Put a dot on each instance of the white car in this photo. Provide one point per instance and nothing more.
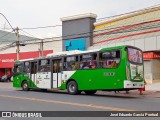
(12, 79)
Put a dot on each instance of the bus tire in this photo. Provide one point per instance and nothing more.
(44, 90)
(72, 88)
(25, 86)
(90, 92)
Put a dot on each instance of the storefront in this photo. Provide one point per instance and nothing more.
(152, 65)
(7, 60)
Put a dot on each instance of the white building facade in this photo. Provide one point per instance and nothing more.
(139, 28)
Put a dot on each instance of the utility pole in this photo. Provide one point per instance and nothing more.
(17, 43)
(41, 48)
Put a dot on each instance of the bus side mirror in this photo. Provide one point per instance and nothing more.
(13, 72)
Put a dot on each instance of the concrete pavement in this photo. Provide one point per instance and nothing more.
(153, 87)
(152, 90)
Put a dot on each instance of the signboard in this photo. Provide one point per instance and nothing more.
(151, 55)
(7, 60)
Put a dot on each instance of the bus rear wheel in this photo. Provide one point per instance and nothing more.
(72, 88)
(44, 90)
(25, 86)
(90, 92)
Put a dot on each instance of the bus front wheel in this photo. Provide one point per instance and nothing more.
(25, 86)
(90, 92)
(72, 88)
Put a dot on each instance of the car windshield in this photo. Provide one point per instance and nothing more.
(135, 55)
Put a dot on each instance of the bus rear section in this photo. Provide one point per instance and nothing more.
(134, 69)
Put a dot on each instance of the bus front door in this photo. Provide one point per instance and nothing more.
(33, 75)
(57, 67)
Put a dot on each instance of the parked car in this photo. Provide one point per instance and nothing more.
(12, 79)
(5, 78)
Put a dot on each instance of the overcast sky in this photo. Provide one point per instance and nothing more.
(39, 13)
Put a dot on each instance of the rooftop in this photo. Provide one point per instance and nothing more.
(80, 16)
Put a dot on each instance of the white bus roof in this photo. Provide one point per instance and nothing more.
(92, 50)
(73, 52)
(27, 59)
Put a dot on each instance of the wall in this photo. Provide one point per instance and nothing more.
(148, 71)
(155, 70)
(146, 44)
(79, 28)
(139, 30)
(151, 70)
(75, 44)
(2, 72)
(56, 46)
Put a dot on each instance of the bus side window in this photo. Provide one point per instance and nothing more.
(75, 64)
(110, 59)
(44, 66)
(60, 66)
(88, 61)
(64, 64)
(102, 63)
(93, 62)
(81, 63)
(106, 59)
(26, 67)
(71, 63)
(54, 67)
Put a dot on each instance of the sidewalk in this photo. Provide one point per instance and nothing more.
(153, 87)
(152, 90)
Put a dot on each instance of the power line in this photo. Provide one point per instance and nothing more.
(42, 27)
(7, 46)
(87, 34)
(6, 34)
(136, 11)
(28, 33)
(108, 32)
(8, 22)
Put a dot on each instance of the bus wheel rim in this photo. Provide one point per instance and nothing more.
(71, 88)
(25, 85)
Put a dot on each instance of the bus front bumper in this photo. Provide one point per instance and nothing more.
(130, 84)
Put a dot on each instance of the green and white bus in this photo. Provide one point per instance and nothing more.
(107, 69)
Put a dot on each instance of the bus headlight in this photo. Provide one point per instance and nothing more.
(127, 73)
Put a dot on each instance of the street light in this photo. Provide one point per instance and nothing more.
(8, 22)
(17, 34)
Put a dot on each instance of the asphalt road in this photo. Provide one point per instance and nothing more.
(12, 99)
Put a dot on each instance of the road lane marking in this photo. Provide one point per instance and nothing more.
(67, 103)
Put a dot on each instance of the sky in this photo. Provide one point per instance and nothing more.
(41, 13)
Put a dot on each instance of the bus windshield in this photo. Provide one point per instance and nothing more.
(18, 68)
(135, 55)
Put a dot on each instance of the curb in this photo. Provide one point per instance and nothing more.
(147, 93)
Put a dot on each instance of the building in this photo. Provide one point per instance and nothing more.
(31, 48)
(77, 31)
(139, 28)
(80, 32)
